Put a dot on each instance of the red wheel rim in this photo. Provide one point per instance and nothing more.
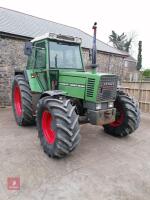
(49, 133)
(119, 117)
(17, 100)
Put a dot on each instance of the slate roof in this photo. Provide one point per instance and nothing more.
(22, 24)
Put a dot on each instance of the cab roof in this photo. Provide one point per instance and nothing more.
(58, 37)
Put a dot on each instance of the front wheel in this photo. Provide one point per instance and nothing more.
(58, 126)
(127, 116)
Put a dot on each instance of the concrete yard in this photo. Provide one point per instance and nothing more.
(101, 168)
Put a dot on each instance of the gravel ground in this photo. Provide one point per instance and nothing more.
(101, 168)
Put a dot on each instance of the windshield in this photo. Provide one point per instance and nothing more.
(65, 55)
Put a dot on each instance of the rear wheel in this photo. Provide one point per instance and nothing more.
(22, 101)
(127, 116)
(58, 126)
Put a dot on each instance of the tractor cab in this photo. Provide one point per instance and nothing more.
(50, 54)
(53, 51)
(61, 52)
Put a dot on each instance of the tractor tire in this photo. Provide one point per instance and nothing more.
(58, 126)
(127, 116)
(22, 101)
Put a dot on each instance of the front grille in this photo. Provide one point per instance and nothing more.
(107, 88)
(90, 87)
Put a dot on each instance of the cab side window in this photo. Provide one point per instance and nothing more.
(40, 55)
(31, 59)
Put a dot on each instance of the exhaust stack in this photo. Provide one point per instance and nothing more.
(94, 50)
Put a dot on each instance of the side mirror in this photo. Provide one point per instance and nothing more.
(28, 48)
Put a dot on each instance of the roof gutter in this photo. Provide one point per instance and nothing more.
(14, 36)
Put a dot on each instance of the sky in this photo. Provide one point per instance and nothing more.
(129, 16)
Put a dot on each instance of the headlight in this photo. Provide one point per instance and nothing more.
(110, 104)
(98, 106)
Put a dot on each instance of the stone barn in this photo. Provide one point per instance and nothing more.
(16, 28)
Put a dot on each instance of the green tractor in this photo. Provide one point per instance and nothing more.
(55, 92)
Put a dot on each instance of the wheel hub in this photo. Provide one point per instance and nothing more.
(119, 117)
(49, 133)
(17, 100)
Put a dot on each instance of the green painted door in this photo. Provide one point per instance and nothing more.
(37, 70)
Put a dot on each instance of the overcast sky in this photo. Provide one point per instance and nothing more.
(122, 16)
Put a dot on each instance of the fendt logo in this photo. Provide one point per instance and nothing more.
(108, 84)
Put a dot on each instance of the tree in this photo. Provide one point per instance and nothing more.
(139, 59)
(146, 73)
(121, 42)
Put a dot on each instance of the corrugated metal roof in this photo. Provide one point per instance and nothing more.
(21, 24)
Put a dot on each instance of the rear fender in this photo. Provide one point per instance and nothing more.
(21, 72)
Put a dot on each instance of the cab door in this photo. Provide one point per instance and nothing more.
(37, 69)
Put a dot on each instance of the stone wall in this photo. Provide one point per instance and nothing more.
(107, 63)
(11, 57)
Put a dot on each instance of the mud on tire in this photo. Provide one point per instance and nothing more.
(58, 126)
(127, 117)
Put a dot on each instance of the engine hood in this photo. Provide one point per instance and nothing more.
(83, 85)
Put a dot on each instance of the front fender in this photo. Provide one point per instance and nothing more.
(53, 93)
